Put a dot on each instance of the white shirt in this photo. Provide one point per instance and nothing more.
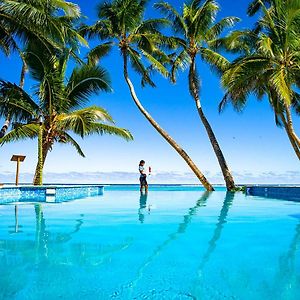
(142, 169)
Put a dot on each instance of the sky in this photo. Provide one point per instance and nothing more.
(256, 150)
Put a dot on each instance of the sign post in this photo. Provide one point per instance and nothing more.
(18, 159)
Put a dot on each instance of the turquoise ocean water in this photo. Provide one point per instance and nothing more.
(176, 243)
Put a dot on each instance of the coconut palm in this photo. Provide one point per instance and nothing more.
(48, 21)
(58, 106)
(121, 23)
(271, 65)
(198, 32)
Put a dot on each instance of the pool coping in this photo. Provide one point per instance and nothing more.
(47, 193)
(284, 192)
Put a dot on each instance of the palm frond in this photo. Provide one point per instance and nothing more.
(280, 83)
(151, 25)
(70, 9)
(7, 40)
(238, 41)
(99, 52)
(69, 140)
(215, 31)
(181, 62)
(171, 14)
(51, 24)
(82, 120)
(20, 132)
(216, 61)
(156, 64)
(91, 120)
(85, 81)
(138, 66)
(102, 29)
(16, 103)
(256, 5)
(98, 128)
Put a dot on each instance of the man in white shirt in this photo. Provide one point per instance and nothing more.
(143, 177)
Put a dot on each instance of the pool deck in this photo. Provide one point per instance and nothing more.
(47, 193)
(275, 191)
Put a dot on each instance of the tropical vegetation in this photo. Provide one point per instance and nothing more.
(57, 106)
(50, 22)
(269, 64)
(48, 35)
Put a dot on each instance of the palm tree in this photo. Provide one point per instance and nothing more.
(270, 66)
(198, 33)
(121, 23)
(48, 21)
(59, 107)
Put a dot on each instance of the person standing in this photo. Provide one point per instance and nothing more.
(143, 177)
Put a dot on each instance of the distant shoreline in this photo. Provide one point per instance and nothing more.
(163, 184)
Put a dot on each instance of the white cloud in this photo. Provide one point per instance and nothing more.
(289, 177)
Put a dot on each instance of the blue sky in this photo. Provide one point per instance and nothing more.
(256, 150)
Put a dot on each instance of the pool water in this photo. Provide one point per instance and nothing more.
(175, 243)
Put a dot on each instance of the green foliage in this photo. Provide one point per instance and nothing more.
(270, 63)
(48, 21)
(197, 33)
(121, 24)
(59, 100)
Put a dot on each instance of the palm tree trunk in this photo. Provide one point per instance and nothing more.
(38, 175)
(291, 126)
(5, 126)
(43, 149)
(162, 132)
(7, 121)
(290, 136)
(23, 73)
(213, 140)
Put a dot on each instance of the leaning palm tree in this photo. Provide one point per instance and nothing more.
(58, 106)
(269, 63)
(121, 23)
(198, 32)
(48, 21)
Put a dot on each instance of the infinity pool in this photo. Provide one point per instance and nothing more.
(177, 243)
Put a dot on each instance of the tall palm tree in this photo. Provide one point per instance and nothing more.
(48, 21)
(198, 33)
(270, 66)
(121, 23)
(58, 106)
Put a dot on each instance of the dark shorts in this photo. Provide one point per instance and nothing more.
(143, 180)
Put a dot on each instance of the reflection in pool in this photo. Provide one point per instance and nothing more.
(168, 245)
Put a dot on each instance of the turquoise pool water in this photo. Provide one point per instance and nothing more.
(177, 243)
